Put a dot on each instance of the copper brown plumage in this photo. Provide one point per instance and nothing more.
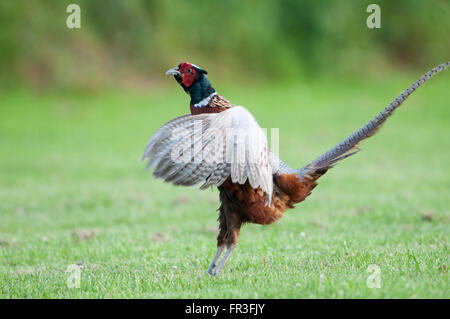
(255, 185)
(217, 104)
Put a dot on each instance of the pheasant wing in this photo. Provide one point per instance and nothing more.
(211, 147)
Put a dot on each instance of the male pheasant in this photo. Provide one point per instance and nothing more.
(220, 144)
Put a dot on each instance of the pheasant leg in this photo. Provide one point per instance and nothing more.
(213, 265)
(223, 261)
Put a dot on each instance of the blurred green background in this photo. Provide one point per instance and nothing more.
(77, 107)
(131, 43)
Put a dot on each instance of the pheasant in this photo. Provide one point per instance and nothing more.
(220, 144)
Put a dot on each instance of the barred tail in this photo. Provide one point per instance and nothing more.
(349, 146)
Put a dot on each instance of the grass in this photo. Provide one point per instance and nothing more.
(73, 190)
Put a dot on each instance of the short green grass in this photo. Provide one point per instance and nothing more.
(73, 190)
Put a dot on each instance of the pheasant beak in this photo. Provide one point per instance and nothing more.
(173, 71)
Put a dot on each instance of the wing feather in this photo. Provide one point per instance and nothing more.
(211, 147)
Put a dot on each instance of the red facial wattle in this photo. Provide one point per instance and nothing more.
(187, 74)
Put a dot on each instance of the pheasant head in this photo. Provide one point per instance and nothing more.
(193, 80)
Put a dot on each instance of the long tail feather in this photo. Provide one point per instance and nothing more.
(349, 146)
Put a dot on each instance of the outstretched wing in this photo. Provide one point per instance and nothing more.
(211, 147)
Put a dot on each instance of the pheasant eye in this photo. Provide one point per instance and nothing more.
(189, 70)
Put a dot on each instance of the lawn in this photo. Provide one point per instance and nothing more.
(73, 191)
